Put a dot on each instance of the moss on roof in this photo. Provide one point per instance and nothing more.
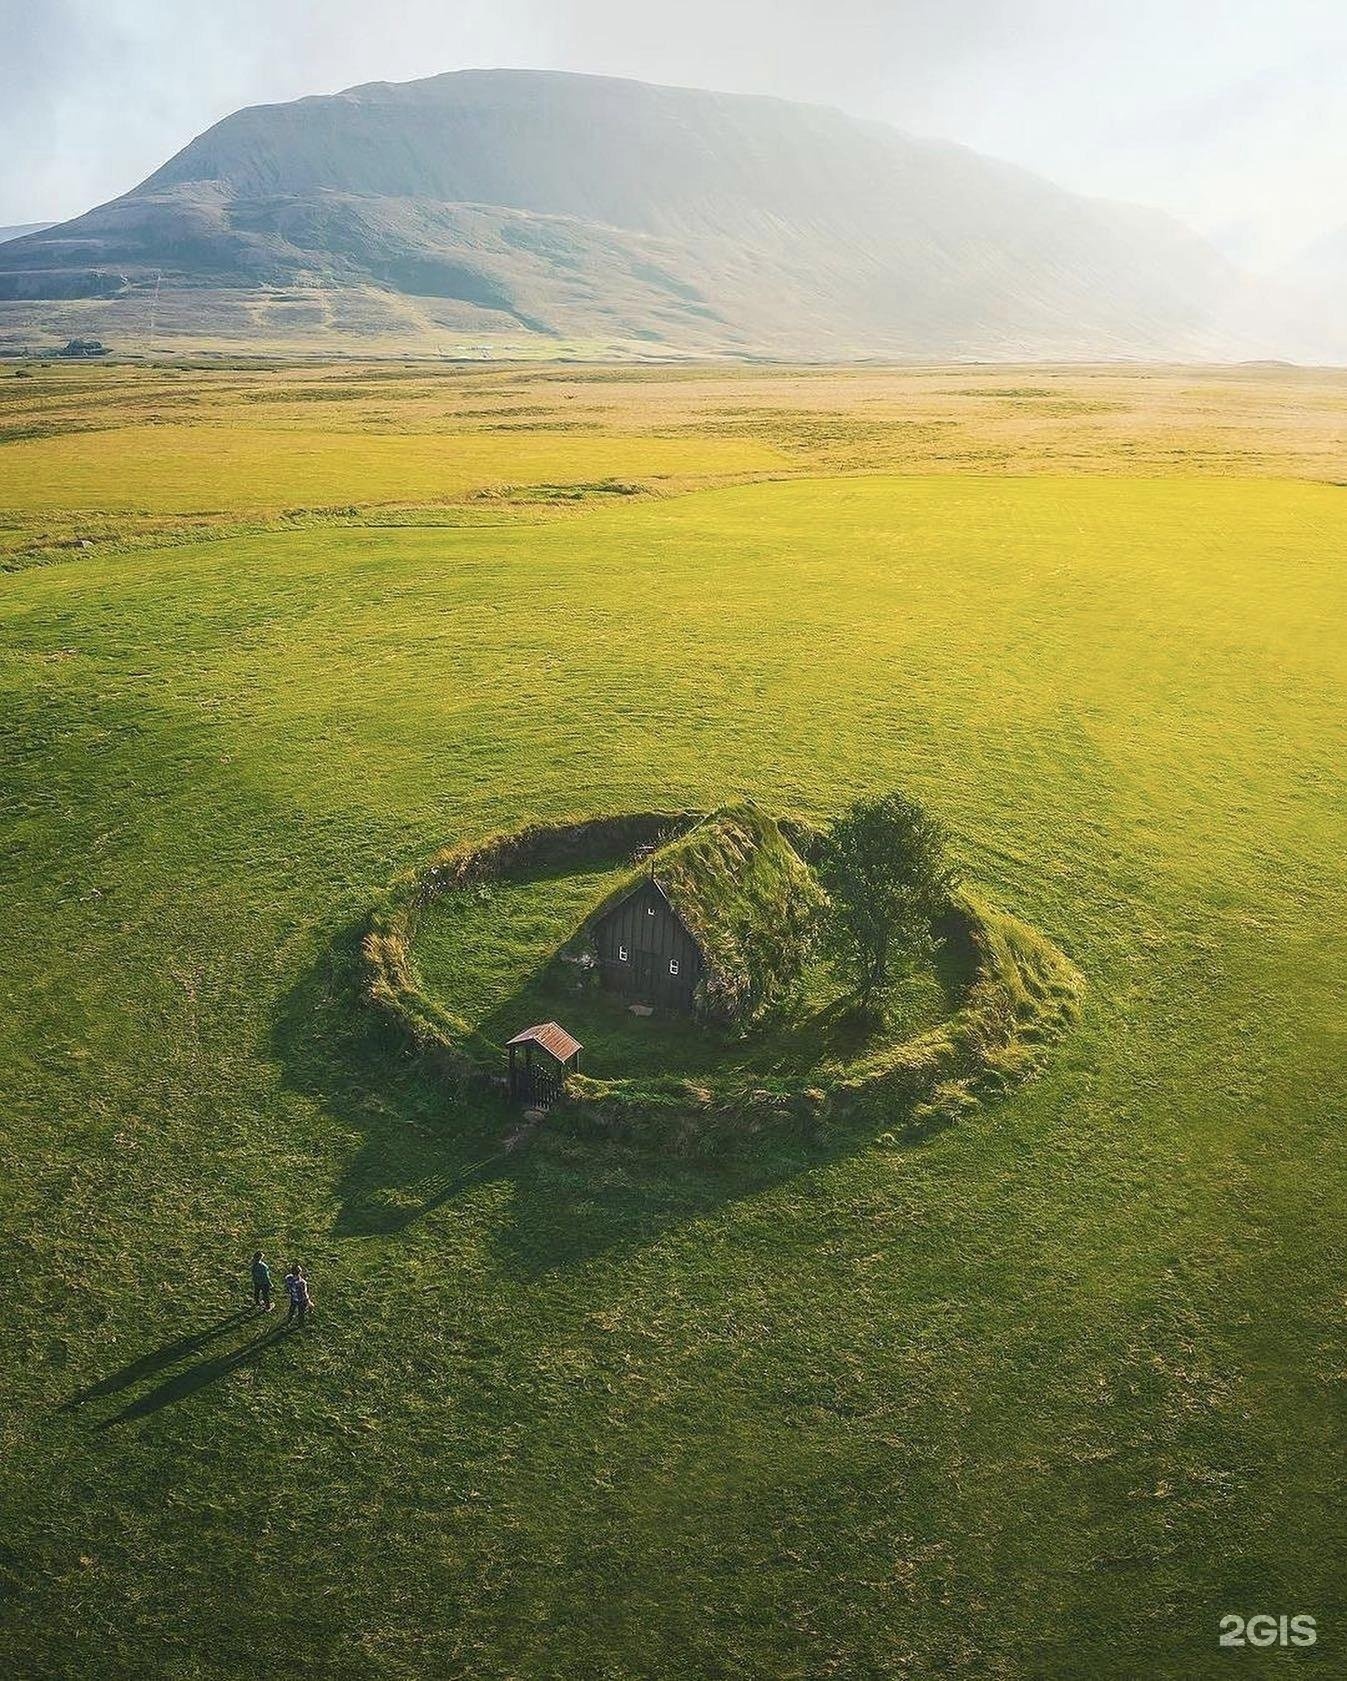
(748, 899)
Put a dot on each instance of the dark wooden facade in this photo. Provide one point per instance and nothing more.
(645, 952)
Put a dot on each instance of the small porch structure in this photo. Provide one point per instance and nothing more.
(540, 1059)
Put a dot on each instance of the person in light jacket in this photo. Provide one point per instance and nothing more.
(297, 1288)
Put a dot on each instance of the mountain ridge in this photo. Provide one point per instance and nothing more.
(566, 206)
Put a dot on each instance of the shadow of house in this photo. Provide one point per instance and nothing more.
(426, 1143)
(424, 1138)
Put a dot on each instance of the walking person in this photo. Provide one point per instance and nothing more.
(297, 1288)
(261, 1282)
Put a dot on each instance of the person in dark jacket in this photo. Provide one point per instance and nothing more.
(261, 1282)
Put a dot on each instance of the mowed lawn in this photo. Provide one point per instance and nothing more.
(1043, 1396)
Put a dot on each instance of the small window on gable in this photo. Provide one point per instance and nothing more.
(673, 965)
(622, 954)
(650, 910)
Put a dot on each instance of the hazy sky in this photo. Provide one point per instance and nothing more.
(1230, 113)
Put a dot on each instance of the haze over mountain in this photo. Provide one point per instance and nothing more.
(23, 228)
(1324, 263)
(591, 209)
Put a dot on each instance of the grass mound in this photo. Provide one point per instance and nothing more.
(1024, 993)
(1018, 995)
(747, 898)
(1012, 992)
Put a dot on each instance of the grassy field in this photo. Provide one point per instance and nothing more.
(183, 470)
(1044, 1395)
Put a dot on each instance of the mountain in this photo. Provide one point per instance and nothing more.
(586, 208)
(22, 228)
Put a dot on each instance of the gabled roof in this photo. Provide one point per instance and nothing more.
(652, 881)
(553, 1038)
(745, 896)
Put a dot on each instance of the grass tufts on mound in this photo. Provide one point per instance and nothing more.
(1021, 996)
(1018, 995)
(389, 978)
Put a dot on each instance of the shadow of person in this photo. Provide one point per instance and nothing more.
(183, 1384)
(146, 1365)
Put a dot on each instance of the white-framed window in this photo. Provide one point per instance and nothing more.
(622, 954)
(650, 910)
(673, 965)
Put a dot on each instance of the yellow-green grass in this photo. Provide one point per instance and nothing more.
(1249, 420)
(215, 469)
(1044, 1395)
(204, 447)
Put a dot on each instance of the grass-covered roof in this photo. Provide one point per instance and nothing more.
(748, 899)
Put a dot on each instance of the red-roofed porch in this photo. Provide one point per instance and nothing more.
(539, 1080)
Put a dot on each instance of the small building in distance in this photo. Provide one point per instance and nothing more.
(540, 1059)
(718, 923)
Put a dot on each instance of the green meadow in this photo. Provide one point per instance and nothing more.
(1043, 1394)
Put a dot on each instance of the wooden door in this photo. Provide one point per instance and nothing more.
(542, 1085)
(645, 975)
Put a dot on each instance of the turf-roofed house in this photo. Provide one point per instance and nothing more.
(717, 925)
